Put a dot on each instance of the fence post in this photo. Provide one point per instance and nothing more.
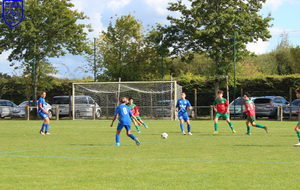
(281, 108)
(211, 112)
(27, 113)
(57, 112)
(195, 103)
(278, 113)
(94, 112)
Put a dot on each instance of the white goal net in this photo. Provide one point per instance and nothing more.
(155, 99)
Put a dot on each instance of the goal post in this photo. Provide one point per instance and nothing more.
(155, 99)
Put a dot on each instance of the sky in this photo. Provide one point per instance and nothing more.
(151, 12)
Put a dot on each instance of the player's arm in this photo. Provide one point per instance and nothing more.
(189, 105)
(113, 120)
(215, 108)
(227, 106)
(247, 107)
(41, 108)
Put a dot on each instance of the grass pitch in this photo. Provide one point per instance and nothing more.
(82, 155)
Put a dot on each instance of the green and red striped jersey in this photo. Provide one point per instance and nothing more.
(221, 105)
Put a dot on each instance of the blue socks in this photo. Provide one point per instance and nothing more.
(131, 136)
(47, 128)
(182, 127)
(43, 126)
(117, 138)
(189, 128)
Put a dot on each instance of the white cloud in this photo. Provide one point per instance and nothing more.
(79, 5)
(275, 4)
(160, 6)
(117, 4)
(260, 47)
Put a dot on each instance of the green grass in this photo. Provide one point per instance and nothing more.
(82, 155)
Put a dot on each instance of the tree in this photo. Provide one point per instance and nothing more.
(208, 26)
(49, 29)
(127, 51)
(296, 57)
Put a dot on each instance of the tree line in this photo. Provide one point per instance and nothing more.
(204, 41)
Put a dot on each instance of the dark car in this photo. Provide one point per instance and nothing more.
(266, 106)
(295, 108)
(6, 108)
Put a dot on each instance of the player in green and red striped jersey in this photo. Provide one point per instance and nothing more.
(250, 109)
(221, 106)
(297, 129)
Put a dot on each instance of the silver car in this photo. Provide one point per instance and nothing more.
(20, 112)
(6, 108)
(235, 107)
(83, 106)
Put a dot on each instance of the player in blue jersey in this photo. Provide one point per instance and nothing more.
(124, 121)
(181, 107)
(43, 114)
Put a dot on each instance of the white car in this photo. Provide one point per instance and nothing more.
(6, 108)
(19, 111)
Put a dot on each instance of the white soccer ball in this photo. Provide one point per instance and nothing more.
(164, 135)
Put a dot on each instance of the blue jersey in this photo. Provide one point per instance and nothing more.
(43, 102)
(182, 106)
(124, 113)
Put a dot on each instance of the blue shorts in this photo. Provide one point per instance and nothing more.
(184, 117)
(120, 127)
(43, 115)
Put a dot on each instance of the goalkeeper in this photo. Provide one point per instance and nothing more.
(135, 111)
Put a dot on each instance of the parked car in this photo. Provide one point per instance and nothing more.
(266, 106)
(237, 104)
(164, 108)
(6, 108)
(20, 111)
(83, 106)
(295, 108)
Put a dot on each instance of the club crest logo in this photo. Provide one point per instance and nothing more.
(12, 12)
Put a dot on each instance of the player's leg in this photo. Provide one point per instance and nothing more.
(127, 127)
(216, 123)
(259, 126)
(189, 126)
(44, 117)
(248, 127)
(297, 129)
(119, 129)
(47, 121)
(180, 117)
(229, 122)
(142, 122)
(136, 125)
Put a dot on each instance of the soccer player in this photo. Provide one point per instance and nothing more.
(250, 109)
(181, 107)
(135, 111)
(124, 121)
(221, 106)
(43, 114)
(297, 129)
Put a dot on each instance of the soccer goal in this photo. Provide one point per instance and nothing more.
(155, 99)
